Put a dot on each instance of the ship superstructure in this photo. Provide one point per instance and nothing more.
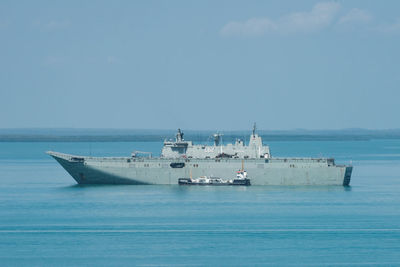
(179, 157)
(182, 148)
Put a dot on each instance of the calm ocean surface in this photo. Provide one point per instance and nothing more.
(46, 219)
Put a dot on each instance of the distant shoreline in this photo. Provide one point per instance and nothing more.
(196, 138)
(131, 135)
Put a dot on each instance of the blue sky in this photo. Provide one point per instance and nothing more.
(200, 64)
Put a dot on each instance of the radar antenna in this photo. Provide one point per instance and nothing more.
(254, 129)
(217, 138)
(179, 136)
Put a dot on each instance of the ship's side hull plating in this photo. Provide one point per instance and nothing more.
(93, 170)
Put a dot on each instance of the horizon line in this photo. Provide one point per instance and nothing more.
(188, 129)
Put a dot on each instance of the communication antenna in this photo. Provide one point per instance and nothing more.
(217, 138)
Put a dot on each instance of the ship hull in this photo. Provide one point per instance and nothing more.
(275, 171)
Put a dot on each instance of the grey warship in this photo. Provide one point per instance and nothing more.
(180, 157)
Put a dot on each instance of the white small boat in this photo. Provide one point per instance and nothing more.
(241, 179)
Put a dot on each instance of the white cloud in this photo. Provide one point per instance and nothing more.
(53, 60)
(254, 26)
(355, 16)
(4, 24)
(321, 16)
(392, 28)
(112, 59)
(56, 25)
(53, 25)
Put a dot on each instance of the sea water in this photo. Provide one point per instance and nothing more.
(47, 219)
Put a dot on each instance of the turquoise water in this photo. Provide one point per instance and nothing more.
(46, 219)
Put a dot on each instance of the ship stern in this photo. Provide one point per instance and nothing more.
(347, 175)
